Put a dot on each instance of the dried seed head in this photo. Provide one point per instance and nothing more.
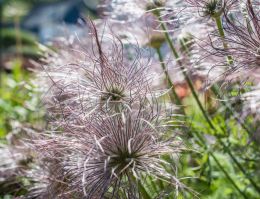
(110, 154)
(113, 93)
(107, 133)
(211, 8)
(125, 147)
(103, 79)
(242, 36)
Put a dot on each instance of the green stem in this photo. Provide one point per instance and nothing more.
(222, 35)
(201, 107)
(215, 88)
(240, 166)
(198, 101)
(187, 78)
(220, 28)
(173, 96)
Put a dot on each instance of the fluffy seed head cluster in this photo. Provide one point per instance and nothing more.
(96, 80)
(110, 154)
(124, 147)
(106, 132)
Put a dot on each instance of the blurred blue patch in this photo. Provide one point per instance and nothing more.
(49, 20)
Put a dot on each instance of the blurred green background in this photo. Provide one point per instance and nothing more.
(26, 23)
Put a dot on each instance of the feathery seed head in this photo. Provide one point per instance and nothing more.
(243, 39)
(113, 153)
(103, 79)
(107, 135)
(125, 145)
(211, 8)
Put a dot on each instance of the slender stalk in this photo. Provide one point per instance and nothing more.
(204, 113)
(190, 84)
(222, 168)
(186, 76)
(220, 29)
(222, 35)
(197, 99)
(174, 97)
(242, 169)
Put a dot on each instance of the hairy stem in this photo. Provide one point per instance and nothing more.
(220, 29)
(174, 97)
(186, 76)
(215, 88)
(222, 35)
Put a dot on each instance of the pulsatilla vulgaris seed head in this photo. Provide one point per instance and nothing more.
(100, 79)
(213, 8)
(113, 93)
(121, 149)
